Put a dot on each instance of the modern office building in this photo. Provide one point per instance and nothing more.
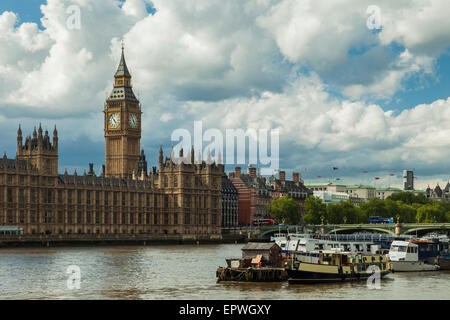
(408, 180)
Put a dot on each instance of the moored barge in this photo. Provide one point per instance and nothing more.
(334, 266)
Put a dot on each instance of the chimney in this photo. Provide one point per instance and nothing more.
(238, 172)
(91, 168)
(295, 176)
(252, 171)
(231, 175)
(282, 176)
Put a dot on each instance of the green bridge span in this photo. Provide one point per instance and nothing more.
(392, 229)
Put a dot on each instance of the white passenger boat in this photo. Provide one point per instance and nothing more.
(404, 257)
(296, 242)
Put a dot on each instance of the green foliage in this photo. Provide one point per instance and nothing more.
(435, 212)
(374, 207)
(315, 209)
(423, 211)
(285, 210)
(409, 198)
(344, 211)
(394, 209)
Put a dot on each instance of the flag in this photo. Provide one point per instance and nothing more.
(377, 178)
(392, 174)
(319, 176)
(335, 168)
(307, 169)
(365, 171)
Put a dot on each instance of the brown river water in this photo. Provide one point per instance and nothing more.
(178, 272)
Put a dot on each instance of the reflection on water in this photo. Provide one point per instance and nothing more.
(177, 272)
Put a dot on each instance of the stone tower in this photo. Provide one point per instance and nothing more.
(39, 151)
(122, 123)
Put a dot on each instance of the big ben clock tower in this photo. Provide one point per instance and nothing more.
(122, 126)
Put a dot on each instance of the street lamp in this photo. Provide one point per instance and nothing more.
(322, 229)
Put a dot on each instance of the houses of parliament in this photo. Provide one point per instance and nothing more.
(178, 197)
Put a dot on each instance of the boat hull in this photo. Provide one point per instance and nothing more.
(412, 266)
(302, 277)
(444, 263)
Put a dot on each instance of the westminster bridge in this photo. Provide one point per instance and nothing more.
(394, 229)
(229, 235)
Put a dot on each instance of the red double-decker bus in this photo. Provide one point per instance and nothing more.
(260, 222)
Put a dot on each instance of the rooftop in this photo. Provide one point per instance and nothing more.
(322, 184)
(259, 246)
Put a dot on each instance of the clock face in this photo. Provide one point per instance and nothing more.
(114, 120)
(133, 120)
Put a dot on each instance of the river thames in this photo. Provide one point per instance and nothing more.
(178, 272)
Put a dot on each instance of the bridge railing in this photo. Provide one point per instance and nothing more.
(351, 237)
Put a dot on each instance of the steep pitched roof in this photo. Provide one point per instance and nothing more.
(438, 191)
(290, 186)
(447, 187)
(122, 70)
(254, 182)
(259, 246)
(227, 185)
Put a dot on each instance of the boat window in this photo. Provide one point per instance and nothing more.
(398, 249)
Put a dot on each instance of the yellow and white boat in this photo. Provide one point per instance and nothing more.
(334, 266)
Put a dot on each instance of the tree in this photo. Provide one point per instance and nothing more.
(285, 209)
(433, 212)
(315, 209)
(409, 198)
(406, 213)
(374, 207)
(344, 209)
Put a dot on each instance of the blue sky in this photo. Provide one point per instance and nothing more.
(417, 89)
(340, 98)
(29, 11)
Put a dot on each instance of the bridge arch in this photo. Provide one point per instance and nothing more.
(267, 232)
(362, 228)
(426, 229)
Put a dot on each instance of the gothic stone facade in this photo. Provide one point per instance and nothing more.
(439, 194)
(180, 197)
(230, 203)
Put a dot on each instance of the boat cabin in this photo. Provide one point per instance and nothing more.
(265, 254)
(403, 251)
(336, 262)
(312, 242)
